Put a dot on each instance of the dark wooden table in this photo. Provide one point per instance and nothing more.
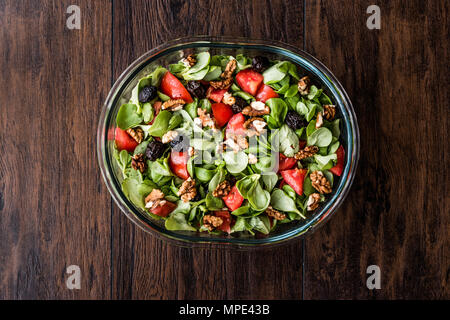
(55, 210)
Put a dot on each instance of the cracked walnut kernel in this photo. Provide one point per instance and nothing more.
(187, 190)
(137, 134)
(313, 201)
(277, 215)
(223, 189)
(319, 182)
(173, 104)
(329, 111)
(138, 162)
(212, 222)
(307, 152)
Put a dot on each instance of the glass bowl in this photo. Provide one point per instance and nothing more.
(171, 52)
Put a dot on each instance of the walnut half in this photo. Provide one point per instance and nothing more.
(187, 190)
(212, 222)
(277, 215)
(319, 182)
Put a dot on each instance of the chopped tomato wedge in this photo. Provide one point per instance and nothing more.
(285, 163)
(236, 125)
(222, 113)
(233, 199)
(215, 95)
(172, 87)
(339, 167)
(157, 109)
(295, 178)
(178, 164)
(265, 93)
(164, 210)
(226, 225)
(249, 80)
(124, 141)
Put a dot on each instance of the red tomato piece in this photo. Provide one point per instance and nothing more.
(222, 113)
(156, 108)
(215, 95)
(282, 183)
(285, 163)
(249, 80)
(265, 93)
(178, 164)
(124, 141)
(339, 167)
(295, 178)
(171, 86)
(233, 200)
(226, 225)
(165, 209)
(236, 125)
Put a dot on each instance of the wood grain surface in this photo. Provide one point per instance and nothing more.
(55, 210)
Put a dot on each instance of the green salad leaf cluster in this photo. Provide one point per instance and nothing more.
(255, 188)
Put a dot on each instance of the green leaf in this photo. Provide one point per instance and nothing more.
(258, 198)
(235, 162)
(288, 141)
(241, 211)
(130, 188)
(292, 91)
(140, 149)
(308, 189)
(199, 75)
(177, 218)
(204, 175)
(269, 180)
(162, 96)
(213, 203)
(205, 105)
(301, 108)
(278, 110)
(281, 201)
(321, 137)
(276, 72)
(174, 121)
(161, 124)
(128, 117)
(244, 95)
(217, 179)
(261, 224)
(325, 160)
(191, 108)
(147, 112)
(214, 73)
(203, 59)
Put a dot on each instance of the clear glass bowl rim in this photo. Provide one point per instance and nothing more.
(303, 59)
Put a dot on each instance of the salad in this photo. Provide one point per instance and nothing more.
(225, 144)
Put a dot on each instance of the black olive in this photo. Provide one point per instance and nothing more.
(294, 120)
(155, 150)
(259, 63)
(196, 89)
(147, 93)
(180, 143)
(239, 105)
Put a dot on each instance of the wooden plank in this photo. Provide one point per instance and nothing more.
(54, 207)
(396, 215)
(145, 267)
